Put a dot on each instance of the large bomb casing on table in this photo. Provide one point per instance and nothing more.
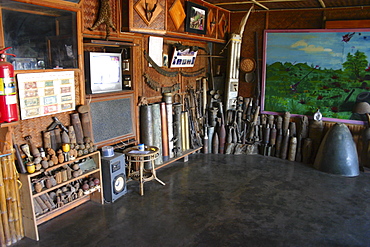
(337, 153)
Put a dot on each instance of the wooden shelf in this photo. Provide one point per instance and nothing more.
(110, 95)
(62, 164)
(30, 220)
(185, 154)
(11, 124)
(55, 212)
(95, 42)
(65, 183)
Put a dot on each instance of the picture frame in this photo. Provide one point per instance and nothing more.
(46, 93)
(309, 69)
(196, 18)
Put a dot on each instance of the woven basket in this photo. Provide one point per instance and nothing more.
(248, 65)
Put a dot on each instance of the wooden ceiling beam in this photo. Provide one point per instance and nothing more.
(261, 5)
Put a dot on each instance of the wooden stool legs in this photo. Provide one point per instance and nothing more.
(135, 160)
(153, 176)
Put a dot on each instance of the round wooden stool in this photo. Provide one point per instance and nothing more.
(136, 157)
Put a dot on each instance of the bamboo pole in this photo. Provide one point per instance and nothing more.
(15, 186)
(11, 227)
(2, 236)
(18, 200)
(9, 193)
(3, 209)
(14, 192)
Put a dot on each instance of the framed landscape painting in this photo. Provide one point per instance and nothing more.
(310, 69)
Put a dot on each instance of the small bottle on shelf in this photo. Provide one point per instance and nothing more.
(126, 65)
(127, 82)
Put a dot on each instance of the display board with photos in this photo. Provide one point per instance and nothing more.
(46, 93)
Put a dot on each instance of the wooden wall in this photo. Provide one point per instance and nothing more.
(185, 82)
(163, 23)
(87, 14)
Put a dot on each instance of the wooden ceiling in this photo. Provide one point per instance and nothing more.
(277, 5)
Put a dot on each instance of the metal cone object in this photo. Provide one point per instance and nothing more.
(337, 153)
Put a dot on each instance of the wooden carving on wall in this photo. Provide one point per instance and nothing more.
(148, 10)
(223, 26)
(177, 13)
(211, 22)
(105, 16)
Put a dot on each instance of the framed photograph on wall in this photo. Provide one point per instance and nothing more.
(309, 69)
(196, 18)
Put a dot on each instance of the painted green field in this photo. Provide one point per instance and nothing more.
(302, 88)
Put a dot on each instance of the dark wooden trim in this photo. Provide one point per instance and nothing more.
(347, 24)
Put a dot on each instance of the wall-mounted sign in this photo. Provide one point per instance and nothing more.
(185, 58)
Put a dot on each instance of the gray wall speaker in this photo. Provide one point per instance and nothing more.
(114, 177)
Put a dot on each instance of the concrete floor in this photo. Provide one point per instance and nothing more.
(224, 200)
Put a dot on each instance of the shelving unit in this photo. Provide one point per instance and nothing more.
(30, 220)
(183, 156)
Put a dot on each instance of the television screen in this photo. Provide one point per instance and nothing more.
(104, 72)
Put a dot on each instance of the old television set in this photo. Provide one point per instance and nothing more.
(103, 72)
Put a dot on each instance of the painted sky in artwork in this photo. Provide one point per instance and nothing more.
(327, 49)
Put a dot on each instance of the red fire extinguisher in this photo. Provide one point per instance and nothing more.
(8, 91)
